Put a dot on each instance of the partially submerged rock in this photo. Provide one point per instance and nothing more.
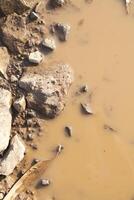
(49, 43)
(12, 157)
(46, 92)
(4, 60)
(57, 3)
(62, 30)
(18, 6)
(86, 108)
(35, 57)
(5, 118)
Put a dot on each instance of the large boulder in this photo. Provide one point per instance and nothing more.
(5, 118)
(46, 92)
(18, 6)
(13, 156)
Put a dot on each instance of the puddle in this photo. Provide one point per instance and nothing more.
(96, 163)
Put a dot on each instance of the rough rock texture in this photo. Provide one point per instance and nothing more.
(62, 30)
(20, 104)
(4, 60)
(46, 92)
(12, 34)
(18, 6)
(5, 118)
(12, 157)
(18, 35)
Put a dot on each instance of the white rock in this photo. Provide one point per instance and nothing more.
(5, 118)
(35, 57)
(4, 60)
(20, 104)
(12, 157)
(49, 43)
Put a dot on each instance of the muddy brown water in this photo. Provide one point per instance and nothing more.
(96, 163)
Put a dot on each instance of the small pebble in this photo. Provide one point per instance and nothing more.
(59, 148)
(30, 136)
(45, 182)
(35, 161)
(35, 57)
(2, 195)
(49, 43)
(57, 3)
(84, 88)
(31, 113)
(68, 131)
(13, 79)
(34, 146)
(33, 16)
(86, 108)
(20, 104)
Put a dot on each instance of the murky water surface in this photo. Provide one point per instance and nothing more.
(96, 164)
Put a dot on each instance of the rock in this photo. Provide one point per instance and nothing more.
(44, 182)
(12, 157)
(33, 16)
(5, 118)
(62, 30)
(59, 148)
(86, 108)
(18, 6)
(16, 42)
(84, 89)
(13, 79)
(12, 30)
(35, 57)
(20, 104)
(2, 194)
(49, 43)
(68, 131)
(4, 60)
(57, 3)
(46, 92)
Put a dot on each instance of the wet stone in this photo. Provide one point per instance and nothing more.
(68, 131)
(44, 182)
(59, 148)
(33, 16)
(86, 108)
(84, 88)
(49, 43)
(35, 57)
(61, 30)
(57, 3)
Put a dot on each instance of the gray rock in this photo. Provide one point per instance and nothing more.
(33, 16)
(47, 92)
(69, 131)
(12, 157)
(20, 104)
(4, 60)
(5, 118)
(49, 43)
(18, 6)
(86, 108)
(45, 182)
(13, 79)
(62, 30)
(84, 88)
(57, 3)
(35, 57)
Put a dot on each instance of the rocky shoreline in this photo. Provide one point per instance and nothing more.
(24, 95)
